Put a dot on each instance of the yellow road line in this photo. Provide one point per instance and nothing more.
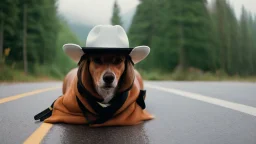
(11, 98)
(39, 134)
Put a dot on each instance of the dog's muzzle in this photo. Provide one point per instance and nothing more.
(108, 78)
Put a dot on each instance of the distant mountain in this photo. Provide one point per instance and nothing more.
(81, 30)
(127, 18)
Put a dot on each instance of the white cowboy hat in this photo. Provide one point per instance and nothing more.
(106, 38)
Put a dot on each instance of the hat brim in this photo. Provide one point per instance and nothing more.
(75, 52)
(139, 53)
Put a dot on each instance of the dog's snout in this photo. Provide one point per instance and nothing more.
(108, 77)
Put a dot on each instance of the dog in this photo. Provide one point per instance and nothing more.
(105, 89)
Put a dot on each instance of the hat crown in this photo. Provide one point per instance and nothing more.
(107, 36)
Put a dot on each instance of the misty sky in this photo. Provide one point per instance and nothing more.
(99, 11)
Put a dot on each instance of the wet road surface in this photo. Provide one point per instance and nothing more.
(179, 119)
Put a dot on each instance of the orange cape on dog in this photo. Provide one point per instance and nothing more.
(66, 109)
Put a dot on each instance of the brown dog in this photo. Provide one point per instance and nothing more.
(103, 76)
(105, 89)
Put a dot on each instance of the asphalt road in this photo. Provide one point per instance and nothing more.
(186, 112)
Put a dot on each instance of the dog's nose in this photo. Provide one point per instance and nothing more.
(108, 78)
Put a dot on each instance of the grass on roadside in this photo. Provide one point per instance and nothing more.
(7, 74)
(193, 75)
(46, 73)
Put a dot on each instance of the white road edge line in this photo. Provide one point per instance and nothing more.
(230, 105)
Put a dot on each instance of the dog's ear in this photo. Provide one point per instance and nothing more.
(128, 76)
(84, 73)
(85, 76)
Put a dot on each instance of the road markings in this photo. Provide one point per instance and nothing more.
(11, 98)
(231, 105)
(39, 134)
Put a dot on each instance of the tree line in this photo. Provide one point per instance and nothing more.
(182, 35)
(193, 34)
(34, 33)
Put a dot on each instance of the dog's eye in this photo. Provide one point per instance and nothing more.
(117, 60)
(97, 60)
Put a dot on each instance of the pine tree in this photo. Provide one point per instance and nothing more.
(253, 28)
(233, 51)
(8, 19)
(176, 31)
(220, 19)
(142, 30)
(116, 19)
(246, 44)
(194, 39)
(227, 47)
(164, 48)
(44, 39)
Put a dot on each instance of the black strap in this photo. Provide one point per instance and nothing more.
(110, 112)
(85, 111)
(140, 100)
(44, 114)
(104, 113)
